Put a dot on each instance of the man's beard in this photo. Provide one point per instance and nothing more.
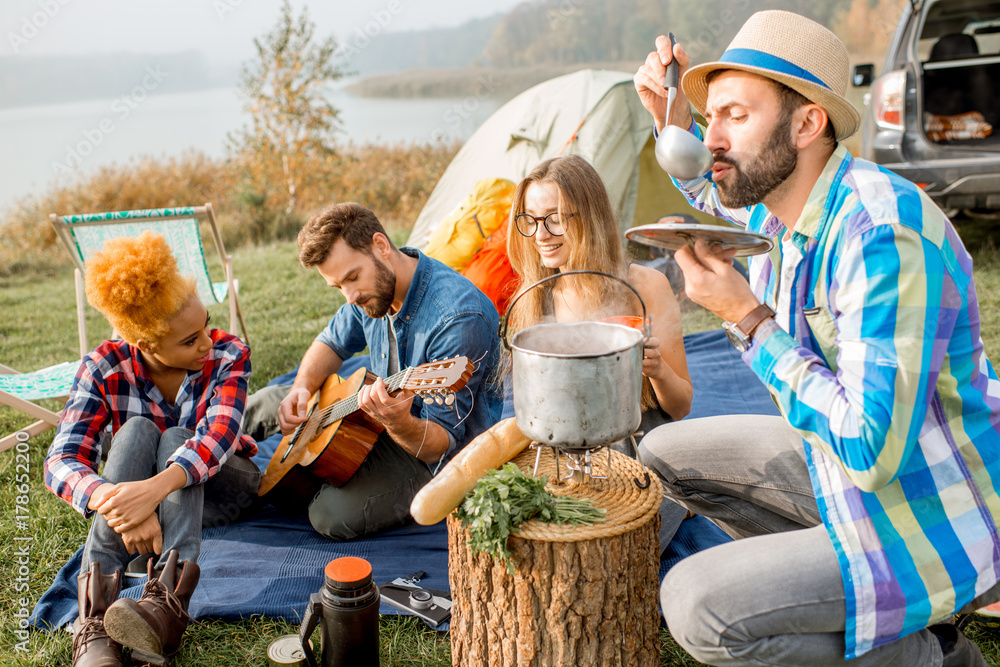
(763, 172)
(378, 304)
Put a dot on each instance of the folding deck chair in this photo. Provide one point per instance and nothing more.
(83, 235)
(19, 390)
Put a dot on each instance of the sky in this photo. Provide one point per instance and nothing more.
(222, 29)
(48, 140)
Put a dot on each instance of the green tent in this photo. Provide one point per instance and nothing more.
(592, 113)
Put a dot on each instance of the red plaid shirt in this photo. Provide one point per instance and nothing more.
(113, 385)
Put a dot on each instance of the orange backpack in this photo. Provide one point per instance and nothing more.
(491, 272)
(457, 238)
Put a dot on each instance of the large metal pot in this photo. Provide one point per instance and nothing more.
(579, 385)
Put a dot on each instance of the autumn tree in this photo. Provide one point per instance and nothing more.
(564, 32)
(866, 26)
(284, 87)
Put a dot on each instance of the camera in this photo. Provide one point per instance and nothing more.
(432, 606)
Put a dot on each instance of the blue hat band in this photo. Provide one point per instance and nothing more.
(755, 58)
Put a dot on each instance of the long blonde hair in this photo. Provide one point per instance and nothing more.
(591, 232)
(594, 244)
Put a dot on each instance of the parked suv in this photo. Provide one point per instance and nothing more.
(933, 116)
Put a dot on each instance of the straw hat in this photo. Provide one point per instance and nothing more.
(792, 50)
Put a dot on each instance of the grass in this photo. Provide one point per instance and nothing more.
(285, 306)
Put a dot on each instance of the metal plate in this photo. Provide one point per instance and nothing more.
(674, 235)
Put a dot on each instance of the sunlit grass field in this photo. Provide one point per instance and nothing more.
(285, 306)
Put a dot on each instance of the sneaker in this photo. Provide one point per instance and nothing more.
(992, 610)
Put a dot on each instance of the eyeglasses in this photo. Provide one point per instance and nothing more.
(527, 224)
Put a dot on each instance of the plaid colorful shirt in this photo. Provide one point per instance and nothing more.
(113, 385)
(876, 358)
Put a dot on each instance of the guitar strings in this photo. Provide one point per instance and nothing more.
(472, 404)
(329, 410)
(472, 397)
(399, 376)
(423, 439)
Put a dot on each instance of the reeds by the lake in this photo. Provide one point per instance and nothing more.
(394, 181)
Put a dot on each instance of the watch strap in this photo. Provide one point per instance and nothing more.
(754, 319)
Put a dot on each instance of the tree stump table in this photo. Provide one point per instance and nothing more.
(580, 595)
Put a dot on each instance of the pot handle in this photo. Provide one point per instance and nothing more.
(635, 451)
(506, 317)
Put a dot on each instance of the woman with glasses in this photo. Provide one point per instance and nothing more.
(565, 223)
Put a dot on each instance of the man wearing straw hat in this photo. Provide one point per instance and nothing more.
(868, 510)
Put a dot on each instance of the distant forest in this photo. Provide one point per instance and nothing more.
(569, 32)
(537, 33)
(561, 32)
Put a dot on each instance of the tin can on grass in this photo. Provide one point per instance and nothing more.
(286, 651)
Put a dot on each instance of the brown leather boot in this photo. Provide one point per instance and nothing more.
(91, 645)
(153, 626)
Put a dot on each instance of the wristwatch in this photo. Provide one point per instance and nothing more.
(741, 333)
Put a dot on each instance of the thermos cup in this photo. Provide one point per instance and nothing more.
(346, 609)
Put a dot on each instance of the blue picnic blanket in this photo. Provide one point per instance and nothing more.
(270, 564)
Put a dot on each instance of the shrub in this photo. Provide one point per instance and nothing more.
(394, 181)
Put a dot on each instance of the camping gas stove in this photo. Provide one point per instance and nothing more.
(578, 464)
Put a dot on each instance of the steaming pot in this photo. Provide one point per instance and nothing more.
(577, 385)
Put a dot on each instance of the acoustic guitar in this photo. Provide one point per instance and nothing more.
(336, 437)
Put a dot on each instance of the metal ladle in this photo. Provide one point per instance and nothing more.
(679, 152)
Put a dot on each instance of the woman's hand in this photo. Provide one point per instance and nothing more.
(652, 358)
(145, 538)
(132, 503)
(100, 494)
(664, 362)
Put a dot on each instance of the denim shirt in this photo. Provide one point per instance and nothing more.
(443, 315)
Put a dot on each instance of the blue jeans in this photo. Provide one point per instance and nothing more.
(139, 451)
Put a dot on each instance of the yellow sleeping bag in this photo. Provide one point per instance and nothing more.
(462, 233)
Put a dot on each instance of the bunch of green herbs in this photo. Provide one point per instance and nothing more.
(505, 498)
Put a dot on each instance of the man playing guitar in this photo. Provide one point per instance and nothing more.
(408, 309)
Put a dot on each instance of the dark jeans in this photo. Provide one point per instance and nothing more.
(139, 451)
(376, 498)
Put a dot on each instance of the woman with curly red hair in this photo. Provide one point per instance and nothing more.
(171, 392)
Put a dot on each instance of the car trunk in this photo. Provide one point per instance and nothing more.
(959, 49)
(961, 103)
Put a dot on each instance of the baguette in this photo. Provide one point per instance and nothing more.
(490, 449)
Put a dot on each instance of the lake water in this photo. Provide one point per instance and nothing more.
(47, 145)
